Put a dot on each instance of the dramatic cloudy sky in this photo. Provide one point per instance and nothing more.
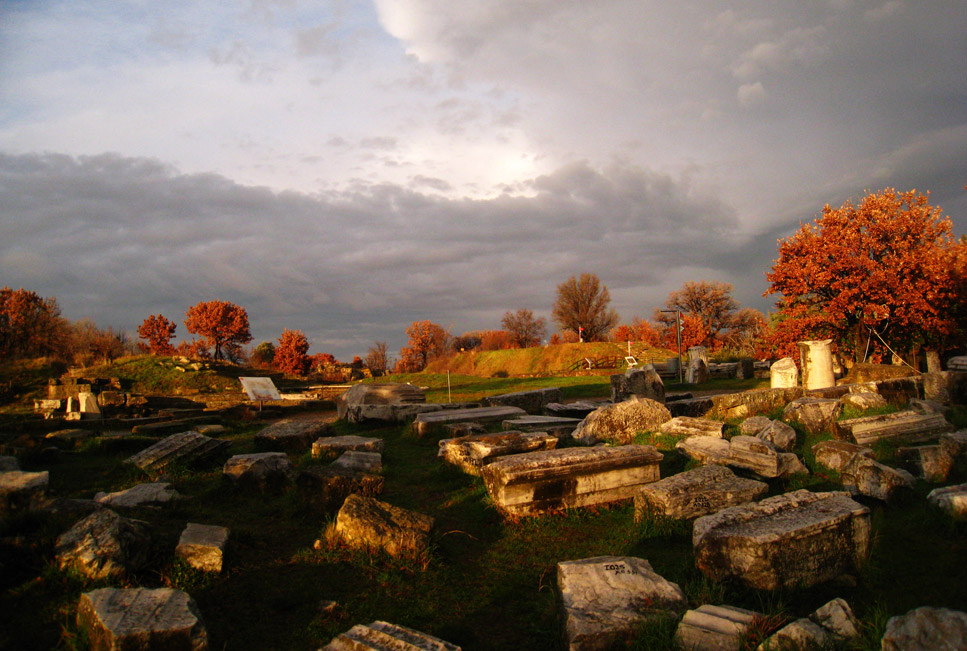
(345, 167)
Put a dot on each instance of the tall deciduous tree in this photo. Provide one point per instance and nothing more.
(582, 307)
(709, 301)
(638, 330)
(29, 325)
(524, 329)
(224, 325)
(427, 341)
(263, 355)
(158, 331)
(377, 359)
(886, 267)
(291, 353)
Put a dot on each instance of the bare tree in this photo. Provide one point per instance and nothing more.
(524, 329)
(377, 360)
(582, 307)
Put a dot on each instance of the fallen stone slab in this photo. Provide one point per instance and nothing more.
(798, 539)
(905, 426)
(532, 402)
(948, 387)
(556, 426)
(22, 491)
(331, 446)
(620, 423)
(164, 428)
(753, 425)
(695, 493)
(926, 629)
(951, 499)
(69, 438)
(705, 449)
(387, 402)
(815, 414)
(754, 454)
(641, 382)
(383, 636)
(930, 462)
(714, 628)
(426, 424)
(830, 626)
(370, 524)
(104, 545)
(471, 453)
(326, 488)
(578, 409)
(263, 471)
(605, 598)
(136, 619)
(294, 436)
(688, 426)
(751, 403)
(692, 407)
(954, 444)
(536, 482)
(836, 455)
(186, 448)
(357, 461)
(779, 434)
(865, 476)
(203, 546)
(864, 400)
(154, 493)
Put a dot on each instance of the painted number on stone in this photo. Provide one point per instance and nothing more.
(618, 568)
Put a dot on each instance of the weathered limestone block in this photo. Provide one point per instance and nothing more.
(579, 409)
(112, 399)
(368, 523)
(753, 425)
(864, 476)
(183, 448)
(291, 435)
(750, 403)
(169, 427)
(791, 540)
(836, 455)
(906, 426)
(556, 426)
(705, 449)
(926, 629)
(22, 491)
(605, 598)
(952, 499)
(69, 438)
(213, 429)
(816, 358)
(620, 423)
(931, 462)
(331, 446)
(784, 374)
(949, 387)
(426, 424)
(714, 628)
(8, 463)
(141, 619)
(326, 487)
(382, 636)
(782, 436)
(695, 493)
(105, 545)
(264, 471)
(386, 402)
(641, 382)
(370, 463)
(815, 414)
(687, 426)
(693, 407)
(87, 404)
(531, 483)
(697, 371)
(203, 546)
(754, 454)
(830, 626)
(864, 400)
(153, 493)
(471, 453)
(532, 402)
(746, 369)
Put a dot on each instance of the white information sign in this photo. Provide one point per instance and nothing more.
(260, 388)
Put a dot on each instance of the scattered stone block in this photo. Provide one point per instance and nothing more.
(605, 598)
(264, 471)
(532, 402)
(705, 449)
(695, 493)
(141, 619)
(784, 374)
(532, 483)
(154, 493)
(367, 523)
(750, 403)
(185, 448)
(754, 454)
(387, 402)
(798, 539)
(578, 409)
(326, 487)
(620, 423)
(213, 429)
(779, 434)
(829, 627)
(203, 546)
(104, 545)
(864, 400)
(382, 636)
(926, 629)
(688, 426)
(713, 628)
(331, 446)
(815, 414)
(753, 425)
(22, 491)
(426, 424)
(948, 387)
(471, 453)
(836, 455)
(931, 462)
(69, 438)
(954, 444)
(370, 463)
(555, 426)
(697, 371)
(816, 357)
(952, 499)
(906, 426)
(693, 407)
(168, 427)
(641, 382)
(294, 436)
(8, 463)
(865, 476)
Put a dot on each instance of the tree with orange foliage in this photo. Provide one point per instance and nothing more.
(709, 301)
(748, 333)
(496, 340)
(694, 333)
(884, 268)
(158, 331)
(639, 330)
(427, 341)
(290, 355)
(524, 329)
(29, 325)
(223, 325)
(582, 307)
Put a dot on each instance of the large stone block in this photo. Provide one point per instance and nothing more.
(386, 402)
(695, 493)
(291, 435)
(951, 499)
(427, 424)
(471, 453)
(865, 476)
(903, 426)
(203, 546)
(641, 382)
(798, 539)
(527, 484)
(579, 409)
(22, 491)
(926, 629)
(154, 493)
(331, 446)
(751, 403)
(620, 423)
(714, 628)
(264, 471)
(383, 636)
(837, 455)
(705, 449)
(357, 461)
(556, 426)
(815, 414)
(688, 426)
(141, 619)
(829, 627)
(533, 402)
(930, 462)
(605, 598)
(816, 357)
(370, 524)
(104, 545)
(187, 448)
(784, 374)
(946, 386)
(326, 488)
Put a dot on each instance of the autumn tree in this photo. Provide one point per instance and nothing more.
(638, 330)
(30, 326)
(158, 331)
(263, 355)
(525, 331)
(582, 307)
(223, 325)
(694, 333)
(291, 353)
(885, 268)
(709, 301)
(87, 343)
(427, 340)
(377, 360)
(496, 340)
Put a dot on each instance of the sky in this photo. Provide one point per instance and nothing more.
(345, 167)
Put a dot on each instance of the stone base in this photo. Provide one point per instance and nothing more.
(139, 619)
(370, 524)
(695, 493)
(203, 546)
(471, 453)
(713, 628)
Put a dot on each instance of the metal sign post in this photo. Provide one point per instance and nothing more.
(678, 336)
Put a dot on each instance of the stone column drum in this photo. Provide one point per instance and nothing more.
(816, 356)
